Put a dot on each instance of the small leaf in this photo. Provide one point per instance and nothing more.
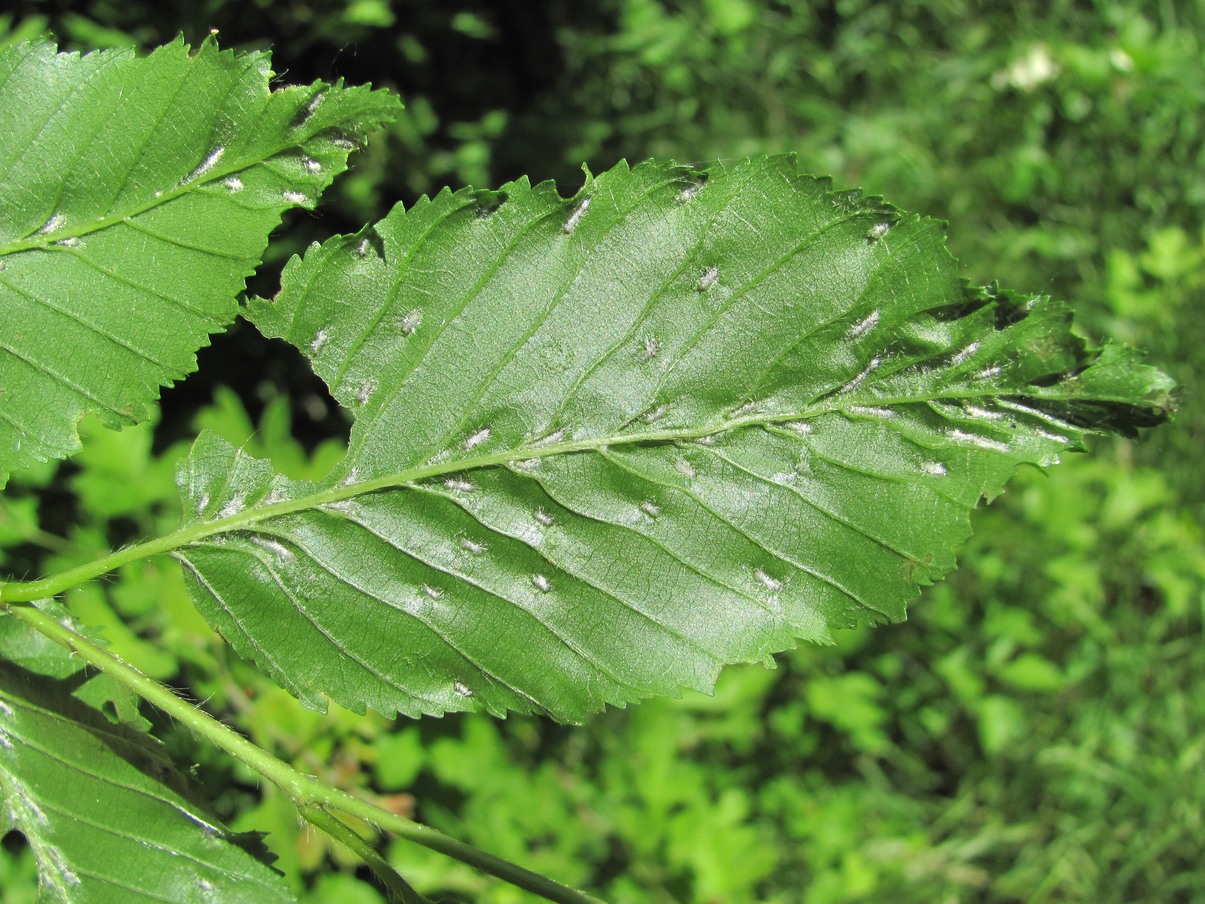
(605, 445)
(104, 813)
(1031, 672)
(136, 195)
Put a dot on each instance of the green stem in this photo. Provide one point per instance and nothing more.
(305, 790)
(343, 833)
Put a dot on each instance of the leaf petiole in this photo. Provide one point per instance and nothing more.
(321, 818)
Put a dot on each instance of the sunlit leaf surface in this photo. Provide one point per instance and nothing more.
(605, 445)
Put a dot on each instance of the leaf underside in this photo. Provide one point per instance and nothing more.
(136, 195)
(605, 445)
(100, 807)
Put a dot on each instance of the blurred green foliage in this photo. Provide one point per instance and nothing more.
(1035, 732)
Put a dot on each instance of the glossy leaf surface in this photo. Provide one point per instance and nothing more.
(603, 446)
(136, 195)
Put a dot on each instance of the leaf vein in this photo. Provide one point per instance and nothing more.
(583, 655)
(59, 378)
(769, 481)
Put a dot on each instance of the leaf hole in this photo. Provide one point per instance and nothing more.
(489, 203)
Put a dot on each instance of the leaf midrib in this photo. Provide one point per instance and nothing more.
(23, 592)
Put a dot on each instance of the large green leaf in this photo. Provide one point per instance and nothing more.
(136, 195)
(104, 813)
(604, 446)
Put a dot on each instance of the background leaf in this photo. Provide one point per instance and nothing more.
(605, 446)
(136, 195)
(104, 813)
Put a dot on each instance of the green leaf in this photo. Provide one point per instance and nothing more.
(604, 446)
(1031, 672)
(136, 195)
(38, 655)
(105, 814)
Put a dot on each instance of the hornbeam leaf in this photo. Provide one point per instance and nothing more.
(136, 195)
(104, 813)
(605, 445)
